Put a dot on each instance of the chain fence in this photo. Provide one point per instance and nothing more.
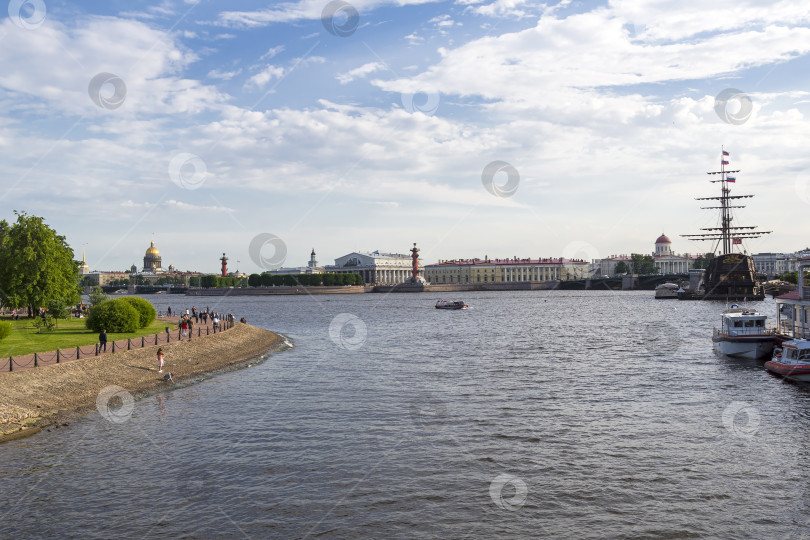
(30, 361)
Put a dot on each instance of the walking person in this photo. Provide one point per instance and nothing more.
(160, 359)
(102, 341)
(169, 311)
(184, 326)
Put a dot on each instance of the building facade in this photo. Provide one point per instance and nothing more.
(776, 264)
(505, 270)
(607, 266)
(667, 261)
(375, 267)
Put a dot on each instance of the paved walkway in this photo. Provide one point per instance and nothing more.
(30, 361)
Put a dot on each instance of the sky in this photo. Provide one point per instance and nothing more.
(471, 127)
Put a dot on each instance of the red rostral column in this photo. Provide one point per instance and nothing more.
(224, 260)
(415, 262)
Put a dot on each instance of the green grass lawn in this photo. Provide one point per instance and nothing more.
(68, 333)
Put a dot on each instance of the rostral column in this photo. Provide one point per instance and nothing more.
(414, 264)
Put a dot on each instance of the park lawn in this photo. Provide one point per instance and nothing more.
(68, 333)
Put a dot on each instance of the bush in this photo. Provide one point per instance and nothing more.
(47, 324)
(5, 329)
(146, 311)
(114, 316)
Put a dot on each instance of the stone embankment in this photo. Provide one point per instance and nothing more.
(32, 399)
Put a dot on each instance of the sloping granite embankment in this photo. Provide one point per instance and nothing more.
(35, 398)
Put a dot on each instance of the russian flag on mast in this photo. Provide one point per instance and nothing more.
(725, 153)
(731, 179)
(724, 162)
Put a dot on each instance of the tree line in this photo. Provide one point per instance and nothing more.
(308, 280)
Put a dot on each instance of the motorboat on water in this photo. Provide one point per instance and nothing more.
(451, 304)
(792, 360)
(667, 290)
(743, 333)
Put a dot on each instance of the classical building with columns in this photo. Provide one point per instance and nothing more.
(666, 261)
(375, 267)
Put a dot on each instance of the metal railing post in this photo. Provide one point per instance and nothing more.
(57, 356)
(78, 352)
(129, 344)
(113, 348)
(11, 363)
(36, 360)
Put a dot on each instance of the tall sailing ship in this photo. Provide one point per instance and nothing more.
(730, 276)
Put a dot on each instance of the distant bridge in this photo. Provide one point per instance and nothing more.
(644, 283)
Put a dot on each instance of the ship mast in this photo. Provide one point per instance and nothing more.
(725, 233)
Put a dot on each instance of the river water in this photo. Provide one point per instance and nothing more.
(532, 414)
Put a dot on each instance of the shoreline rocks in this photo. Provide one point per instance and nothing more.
(36, 398)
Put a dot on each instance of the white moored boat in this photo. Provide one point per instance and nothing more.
(667, 290)
(743, 333)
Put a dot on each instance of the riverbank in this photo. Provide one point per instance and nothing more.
(32, 399)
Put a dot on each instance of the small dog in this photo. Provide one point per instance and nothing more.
(168, 378)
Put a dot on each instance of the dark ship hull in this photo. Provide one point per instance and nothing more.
(730, 277)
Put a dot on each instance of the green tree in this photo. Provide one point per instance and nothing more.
(194, 281)
(621, 268)
(36, 266)
(642, 264)
(702, 261)
(97, 296)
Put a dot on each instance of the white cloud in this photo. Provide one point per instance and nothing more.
(301, 10)
(266, 75)
(56, 63)
(223, 75)
(271, 52)
(360, 72)
(188, 207)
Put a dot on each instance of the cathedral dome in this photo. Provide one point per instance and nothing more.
(663, 239)
(152, 250)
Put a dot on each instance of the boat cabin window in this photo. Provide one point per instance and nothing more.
(738, 324)
(804, 354)
(790, 354)
(760, 323)
(749, 324)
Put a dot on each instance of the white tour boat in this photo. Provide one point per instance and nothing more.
(792, 361)
(743, 333)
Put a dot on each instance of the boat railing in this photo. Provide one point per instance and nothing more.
(747, 331)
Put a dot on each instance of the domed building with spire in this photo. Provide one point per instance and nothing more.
(152, 263)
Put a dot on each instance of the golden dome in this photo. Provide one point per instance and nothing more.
(152, 250)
